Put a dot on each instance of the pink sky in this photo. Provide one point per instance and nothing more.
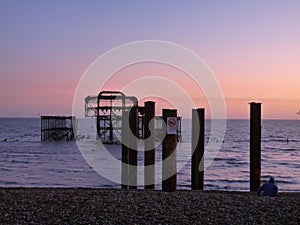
(253, 49)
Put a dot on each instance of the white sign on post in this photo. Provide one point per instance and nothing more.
(171, 125)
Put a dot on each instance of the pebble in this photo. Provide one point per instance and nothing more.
(113, 206)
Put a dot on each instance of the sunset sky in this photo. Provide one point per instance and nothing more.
(252, 47)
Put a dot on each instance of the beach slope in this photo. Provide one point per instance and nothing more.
(113, 206)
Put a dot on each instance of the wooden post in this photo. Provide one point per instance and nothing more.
(255, 145)
(149, 154)
(198, 125)
(132, 151)
(98, 117)
(111, 133)
(125, 150)
(169, 170)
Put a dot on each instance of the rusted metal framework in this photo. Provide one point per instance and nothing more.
(55, 128)
(90, 105)
(108, 106)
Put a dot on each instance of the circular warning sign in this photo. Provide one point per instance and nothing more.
(172, 122)
(171, 125)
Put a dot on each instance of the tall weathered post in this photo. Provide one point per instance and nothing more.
(149, 154)
(125, 151)
(198, 125)
(133, 151)
(169, 169)
(255, 145)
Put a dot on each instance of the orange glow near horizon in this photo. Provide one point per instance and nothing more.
(237, 95)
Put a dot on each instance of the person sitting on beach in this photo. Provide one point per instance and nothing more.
(268, 189)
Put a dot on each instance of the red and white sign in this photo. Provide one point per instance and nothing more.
(172, 125)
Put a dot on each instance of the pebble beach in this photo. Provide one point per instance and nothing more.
(115, 206)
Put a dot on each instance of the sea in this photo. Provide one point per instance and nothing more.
(25, 161)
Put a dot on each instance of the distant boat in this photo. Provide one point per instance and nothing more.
(298, 112)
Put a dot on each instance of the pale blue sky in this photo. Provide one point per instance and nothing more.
(45, 46)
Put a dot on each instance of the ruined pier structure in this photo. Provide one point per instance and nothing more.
(55, 128)
(108, 108)
(117, 114)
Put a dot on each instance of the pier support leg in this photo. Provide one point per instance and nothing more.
(169, 170)
(133, 150)
(149, 154)
(198, 125)
(125, 151)
(255, 145)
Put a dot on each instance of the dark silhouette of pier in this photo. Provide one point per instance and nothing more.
(118, 114)
(55, 128)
